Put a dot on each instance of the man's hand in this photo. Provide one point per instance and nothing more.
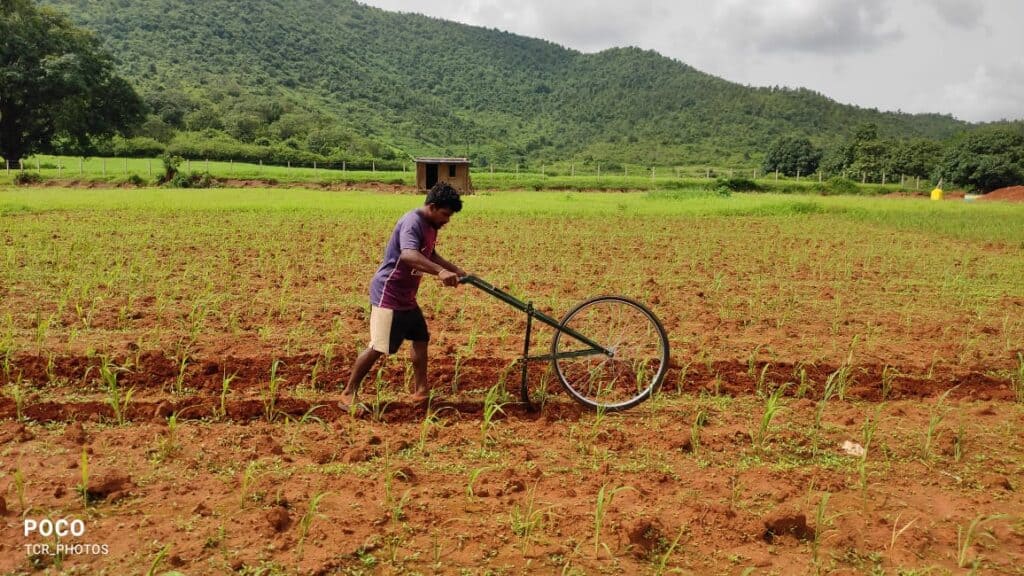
(448, 278)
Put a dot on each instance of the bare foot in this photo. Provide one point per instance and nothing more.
(420, 398)
(347, 402)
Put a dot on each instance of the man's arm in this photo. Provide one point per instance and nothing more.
(417, 261)
(447, 265)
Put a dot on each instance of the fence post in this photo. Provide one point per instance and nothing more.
(373, 166)
(21, 163)
(776, 174)
(37, 165)
(797, 174)
(707, 173)
(883, 177)
(652, 173)
(344, 166)
(7, 165)
(58, 168)
(314, 169)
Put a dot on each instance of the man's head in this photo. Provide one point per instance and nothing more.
(442, 201)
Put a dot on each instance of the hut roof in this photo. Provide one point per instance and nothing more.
(442, 160)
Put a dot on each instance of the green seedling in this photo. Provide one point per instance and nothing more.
(889, 374)
(604, 502)
(491, 408)
(312, 511)
(18, 394)
(270, 394)
(19, 490)
(698, 423)
(771, 407)
(529, 520)
(249, 478)
(937, 413)
(158, 560)
(1017, 379)
(966, 538)
(473, 475)
(168, 444)
(117, 398)
(225, 388)
(867, 435)
(661, 565)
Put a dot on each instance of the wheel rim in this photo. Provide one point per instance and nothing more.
(638, 363)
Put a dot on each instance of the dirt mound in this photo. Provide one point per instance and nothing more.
(1008, 194)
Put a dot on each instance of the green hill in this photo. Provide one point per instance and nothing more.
(334, 79)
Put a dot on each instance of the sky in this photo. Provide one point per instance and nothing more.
(959, 57)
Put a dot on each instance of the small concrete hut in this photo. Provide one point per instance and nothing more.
(454, 171)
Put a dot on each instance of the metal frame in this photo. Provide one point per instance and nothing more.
(532, 313)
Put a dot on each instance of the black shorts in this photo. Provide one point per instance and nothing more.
(389, 327)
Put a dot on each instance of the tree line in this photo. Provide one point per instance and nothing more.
(309, 81)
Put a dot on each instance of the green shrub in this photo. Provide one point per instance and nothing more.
(737, 185)
(840, 185)
(25, 178)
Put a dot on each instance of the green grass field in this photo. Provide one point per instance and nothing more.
(562, 176)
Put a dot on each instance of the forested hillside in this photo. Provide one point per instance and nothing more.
(337, 80)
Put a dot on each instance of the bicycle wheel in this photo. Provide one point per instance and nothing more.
(637, 358)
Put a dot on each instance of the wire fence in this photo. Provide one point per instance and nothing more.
(404, 172)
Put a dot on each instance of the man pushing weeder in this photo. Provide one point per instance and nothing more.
(394, 314)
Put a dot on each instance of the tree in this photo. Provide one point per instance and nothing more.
(792, 155)
(917, 158)
(57, 86)
(986, 159)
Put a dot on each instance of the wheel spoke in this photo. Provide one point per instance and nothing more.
(637, 365)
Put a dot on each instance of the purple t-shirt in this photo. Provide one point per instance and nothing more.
(395, 284)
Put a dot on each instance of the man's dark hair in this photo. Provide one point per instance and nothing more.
(444, 196)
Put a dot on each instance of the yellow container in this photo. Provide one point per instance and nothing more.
(937, 194)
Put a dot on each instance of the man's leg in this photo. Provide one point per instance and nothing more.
(362, 366)
(419, 367)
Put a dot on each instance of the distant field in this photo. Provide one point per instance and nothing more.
(118, 171)
(796, 323)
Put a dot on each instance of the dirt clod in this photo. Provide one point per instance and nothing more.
(279, 519)
(358, 454)
(646, 538)
(75, 433)
(786, 521)
(111, 486)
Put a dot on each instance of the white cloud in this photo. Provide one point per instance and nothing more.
(946, 56)
(826, 27)
(959, 13)
(991, 93)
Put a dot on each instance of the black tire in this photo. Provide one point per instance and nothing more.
(624, 379)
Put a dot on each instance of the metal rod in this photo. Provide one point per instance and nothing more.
(523, 306)
(524, 393)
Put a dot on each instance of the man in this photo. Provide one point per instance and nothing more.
(394, 314)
